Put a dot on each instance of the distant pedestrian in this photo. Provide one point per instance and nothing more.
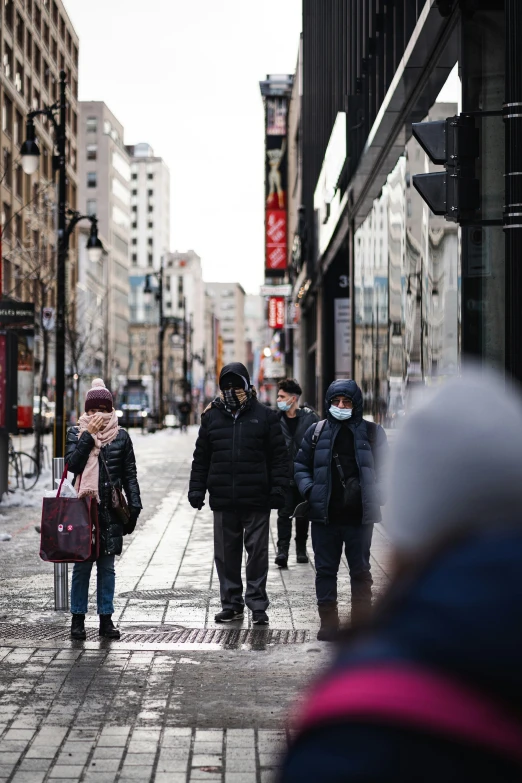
(339, 470)
(294, 421)
(241, 458)
(185, 409)
(431, 689)
(99, 433)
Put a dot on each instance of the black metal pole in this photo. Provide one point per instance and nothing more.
(185, 349)
(59, 423)
(161, 341)
(421, 295)
(512, 112)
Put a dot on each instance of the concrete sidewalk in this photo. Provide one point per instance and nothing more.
(178, 697)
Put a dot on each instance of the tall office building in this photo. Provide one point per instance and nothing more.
(37, 41)
(229, 308)
(105, 191)
(150, 227)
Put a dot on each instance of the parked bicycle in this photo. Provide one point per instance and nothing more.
(45, 460)
(22, 470)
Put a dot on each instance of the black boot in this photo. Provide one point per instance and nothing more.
(78, 627)
(300, 551)
(107, 628)
(329, 622)
(282, 557)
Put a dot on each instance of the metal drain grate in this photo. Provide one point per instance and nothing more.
(229, 638)
(156, 595)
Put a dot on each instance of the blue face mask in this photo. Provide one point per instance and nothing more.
(284, 406)
(342, 414)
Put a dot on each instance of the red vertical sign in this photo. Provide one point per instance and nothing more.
(276, 312)
(276, 193)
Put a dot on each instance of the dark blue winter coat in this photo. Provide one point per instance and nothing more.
(313, 467)
(461, 616)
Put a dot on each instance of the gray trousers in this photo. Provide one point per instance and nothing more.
(231, 528)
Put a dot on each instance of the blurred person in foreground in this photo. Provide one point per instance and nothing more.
(339, 470)
(431, 689)
(240, 457)
(295, 421)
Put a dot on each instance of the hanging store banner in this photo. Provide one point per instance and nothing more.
(274, 368)
(276, 312)
(25, 379)
(276, 111)
(275, 242)
(276, 186)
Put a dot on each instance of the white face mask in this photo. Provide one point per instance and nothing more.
(284, 406)
(342, 414)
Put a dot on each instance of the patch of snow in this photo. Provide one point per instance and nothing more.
(28, 498)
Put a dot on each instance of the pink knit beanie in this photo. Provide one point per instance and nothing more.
(98, 395)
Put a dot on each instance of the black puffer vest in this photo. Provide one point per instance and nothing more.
(121, 462)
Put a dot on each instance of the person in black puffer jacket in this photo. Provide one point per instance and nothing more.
(241, 458)
(99, 429)
(342, 510)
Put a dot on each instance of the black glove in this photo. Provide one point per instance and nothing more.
(131, 525)
(277, 498)
(196, 500)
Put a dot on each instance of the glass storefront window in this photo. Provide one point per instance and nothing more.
(406, 292)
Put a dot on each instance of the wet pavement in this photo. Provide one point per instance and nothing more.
(178, 698)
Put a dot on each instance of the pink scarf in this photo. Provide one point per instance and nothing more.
(91, 472)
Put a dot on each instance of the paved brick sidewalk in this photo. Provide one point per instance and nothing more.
(166, 702)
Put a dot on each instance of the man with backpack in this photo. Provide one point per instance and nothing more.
(339, 470)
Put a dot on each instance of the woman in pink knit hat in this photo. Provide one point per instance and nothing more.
(99, 435)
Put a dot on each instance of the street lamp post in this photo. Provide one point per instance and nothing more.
(148, 292)
(185, 350)
(30, 154)
(418, 276)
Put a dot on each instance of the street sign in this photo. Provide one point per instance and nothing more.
(48, 318)
(276, 290)
(274, 368)
(276, 312)
(17, 313)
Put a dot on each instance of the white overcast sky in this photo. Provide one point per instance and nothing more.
(183, 76)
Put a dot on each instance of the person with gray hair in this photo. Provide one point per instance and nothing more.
(431, 688)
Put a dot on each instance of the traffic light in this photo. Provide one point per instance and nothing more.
(454, 144)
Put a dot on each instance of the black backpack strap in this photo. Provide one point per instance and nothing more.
(317, 432)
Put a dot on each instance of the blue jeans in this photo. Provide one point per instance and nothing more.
(328, 541)
(105, 583)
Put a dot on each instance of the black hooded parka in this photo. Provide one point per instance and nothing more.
(313, 467)
(241, 460)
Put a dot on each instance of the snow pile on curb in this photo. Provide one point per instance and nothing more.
(31, 498)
